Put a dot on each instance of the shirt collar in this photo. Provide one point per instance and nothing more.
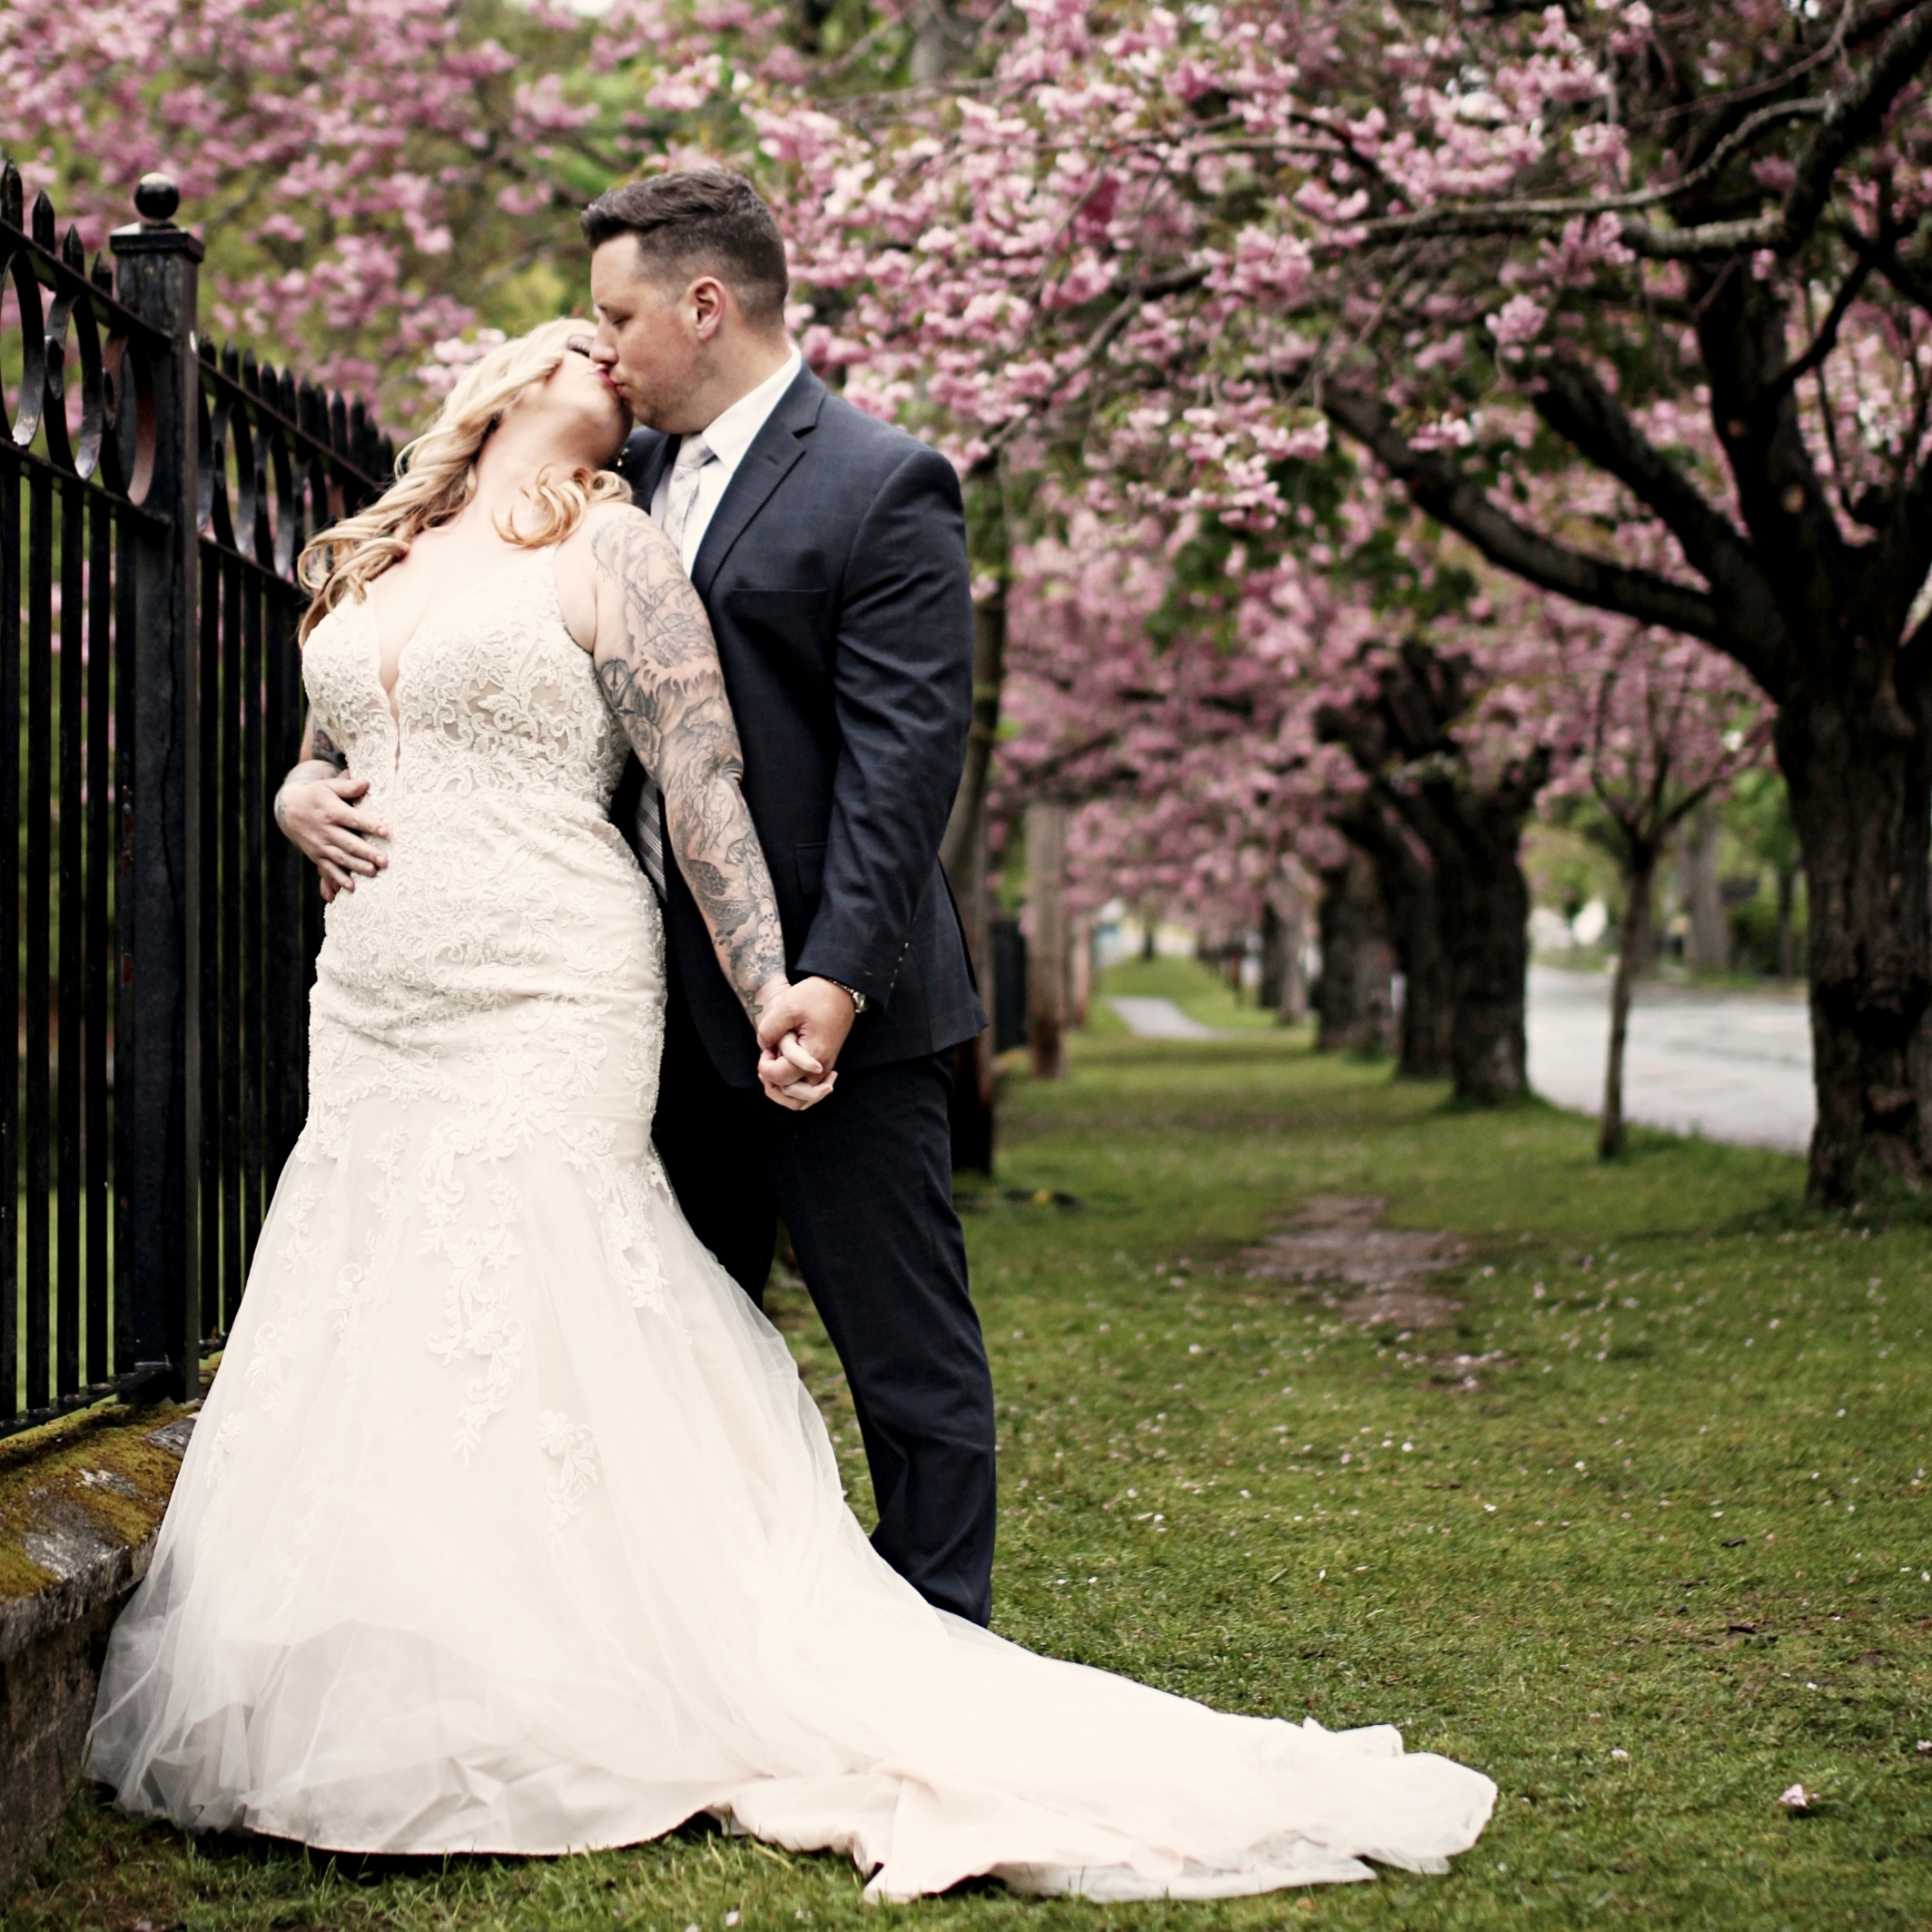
(733, 432)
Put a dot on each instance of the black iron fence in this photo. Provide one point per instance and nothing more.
(156, 939)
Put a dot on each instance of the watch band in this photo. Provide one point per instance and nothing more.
(859, 1002)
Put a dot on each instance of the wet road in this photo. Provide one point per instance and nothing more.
(1733, 1066)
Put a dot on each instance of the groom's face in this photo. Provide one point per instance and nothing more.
(653, 337)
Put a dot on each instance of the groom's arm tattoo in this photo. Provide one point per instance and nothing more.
(658, 668)
(322, 748)
(321, 757)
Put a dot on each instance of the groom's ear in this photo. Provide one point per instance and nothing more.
(708, 304)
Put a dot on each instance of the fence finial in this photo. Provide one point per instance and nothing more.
(156, 197)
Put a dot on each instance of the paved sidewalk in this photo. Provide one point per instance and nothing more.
(1733, 1066)
(1159, 1018)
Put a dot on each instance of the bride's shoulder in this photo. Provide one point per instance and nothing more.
(616, 537)
(589, 556)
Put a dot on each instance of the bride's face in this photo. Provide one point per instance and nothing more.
(585, 412)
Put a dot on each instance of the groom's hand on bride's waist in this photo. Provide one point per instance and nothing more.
(801, 1030)
(319, 810)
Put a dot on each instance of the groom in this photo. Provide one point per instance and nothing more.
(830, 551)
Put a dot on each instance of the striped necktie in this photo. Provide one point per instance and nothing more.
(693, 453)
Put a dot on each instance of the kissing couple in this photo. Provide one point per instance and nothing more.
(507, 1526)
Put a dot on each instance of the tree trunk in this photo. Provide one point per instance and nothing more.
(1710, 947)
(1353, 994)
(1428, 1009)
(937, 42)
(1150, 933)
(1857, 767)
(1471, 832)
(1046, 824)
(1407, 880)
(1786, 930)
(1080, 972)
(1854, 738)
(963, 855)
(974, 1073)
(1484, 902)
(967, 821)
(1632, 946)
(1292, 1007)
(1274, 957)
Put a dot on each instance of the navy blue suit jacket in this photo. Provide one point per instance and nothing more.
(835, 574)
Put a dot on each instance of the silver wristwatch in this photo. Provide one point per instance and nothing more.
(859, 1002)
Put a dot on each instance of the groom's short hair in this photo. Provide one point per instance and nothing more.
(693, 219)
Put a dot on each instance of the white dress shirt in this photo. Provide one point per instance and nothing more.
(729, 435)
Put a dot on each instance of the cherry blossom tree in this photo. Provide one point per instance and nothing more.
(1155, 683)
(371, 176)
(1692, 245)
(1666, 724)
(1446, 796)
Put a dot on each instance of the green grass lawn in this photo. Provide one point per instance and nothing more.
(1642, 1534)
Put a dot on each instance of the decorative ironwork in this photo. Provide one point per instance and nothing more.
(157, 960)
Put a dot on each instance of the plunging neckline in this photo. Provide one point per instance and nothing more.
(392, 694)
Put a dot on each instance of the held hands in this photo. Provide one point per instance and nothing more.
(317, 811)
(800, 1030)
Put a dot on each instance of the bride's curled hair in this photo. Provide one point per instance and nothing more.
(436, 476)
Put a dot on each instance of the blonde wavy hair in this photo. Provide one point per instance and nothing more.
(436, 478)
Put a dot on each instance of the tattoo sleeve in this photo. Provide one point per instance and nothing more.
(321, 758)
(658, 668)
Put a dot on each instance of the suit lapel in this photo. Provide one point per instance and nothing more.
(642, 462)
(778, 446)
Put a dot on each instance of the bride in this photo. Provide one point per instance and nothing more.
(507, 1526)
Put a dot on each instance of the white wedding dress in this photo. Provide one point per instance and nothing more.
(507, 1526)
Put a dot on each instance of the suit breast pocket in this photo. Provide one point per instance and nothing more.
(809, 862)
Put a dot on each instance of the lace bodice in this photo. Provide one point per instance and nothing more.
(492, 694)
(486, 1006)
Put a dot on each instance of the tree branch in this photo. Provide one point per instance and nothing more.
(1139, 293)
(1855, 116)
(1846, 121)
(1896, 566)
(1917, 648)
(1581, 409)
(1863, 22)
(1425, 222)
(1036, 777)
(1890, 263)
(1440, 490)
(1826, 339)
(1535, 219)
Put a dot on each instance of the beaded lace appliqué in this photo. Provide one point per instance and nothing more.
(571, 1446)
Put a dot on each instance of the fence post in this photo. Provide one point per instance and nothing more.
(158, 1073)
